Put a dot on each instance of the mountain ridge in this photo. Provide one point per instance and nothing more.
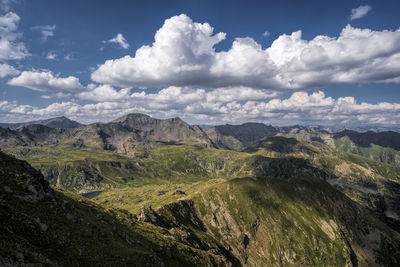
(56, 122)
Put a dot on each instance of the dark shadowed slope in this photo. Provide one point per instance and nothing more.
(237, 137)
(384, 139)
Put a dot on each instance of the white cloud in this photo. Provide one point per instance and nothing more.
(46, 81)
(359, 12)
(10, 48)
(119, 39)
(46, 31)
(266, 33)
(104, 93)
(7, 70)
(201, 106)
(183, 54)
(51, 55)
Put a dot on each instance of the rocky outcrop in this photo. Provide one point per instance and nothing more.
(30, 185)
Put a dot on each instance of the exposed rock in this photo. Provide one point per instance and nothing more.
(151, 216)
(179, 192)
(160, 193)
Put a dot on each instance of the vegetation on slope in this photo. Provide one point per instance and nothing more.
(49, 227)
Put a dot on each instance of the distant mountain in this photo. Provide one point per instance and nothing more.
(340, 128)
(173, 129)
(58, 122)
(385, 139)
(238, 137)
(121, 135)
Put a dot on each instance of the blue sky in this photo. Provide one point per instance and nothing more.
(352, 76)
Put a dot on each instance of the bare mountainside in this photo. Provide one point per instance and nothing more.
(121, 135)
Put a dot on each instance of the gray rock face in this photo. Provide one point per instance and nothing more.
(120, 135)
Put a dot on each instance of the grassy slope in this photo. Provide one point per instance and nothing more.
(373, 152)
(87, 170)
(196, 171)
(300, 221)
(68, 230)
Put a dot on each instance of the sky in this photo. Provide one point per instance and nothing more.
(207, 62)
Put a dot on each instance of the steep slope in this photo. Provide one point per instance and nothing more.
(272, 221)
(372, 151)
(300, 221)
(385, 139)
(58, 122)
(238, 137)
(40, 226)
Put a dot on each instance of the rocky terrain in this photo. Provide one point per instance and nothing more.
(250, 195)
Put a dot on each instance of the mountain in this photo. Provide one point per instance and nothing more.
(42, 226)
(236, 222)
(237, 137)
(99, 154)
(248, 194)
(385, 139)
(58, 122)
(121, 135)
(340, 128)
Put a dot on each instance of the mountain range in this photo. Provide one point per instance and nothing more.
(58, 122)
(166, 193)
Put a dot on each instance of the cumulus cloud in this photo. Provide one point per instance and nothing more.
(183, 54)
(359, 12)
(119, 39)
(10, 47)
(212, 107)
(46, 81)
(46, 31)
(7, 70)
(103, 93)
